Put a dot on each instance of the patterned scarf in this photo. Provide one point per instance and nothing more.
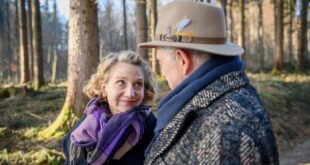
(213, 69)
(103, 134)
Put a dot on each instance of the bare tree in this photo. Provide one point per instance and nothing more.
(141, 25)
(231, 7)
(2, 20)
(278, 65)
(110, 22)
(153, 22)
(260, 34)
(83, 56)
(54, 44)
(37, 45)
(110, 29)
(9, 76)
(224, 6)
(16, 43)
(302, 49)
(290, 31)
(125, 25)
(30, 45)
(241, 37)
(24, 63)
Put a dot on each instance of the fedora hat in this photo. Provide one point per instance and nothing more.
(193, 25)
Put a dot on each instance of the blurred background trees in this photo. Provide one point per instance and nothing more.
(274, 34)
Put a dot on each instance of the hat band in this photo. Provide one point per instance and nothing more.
(187, 39)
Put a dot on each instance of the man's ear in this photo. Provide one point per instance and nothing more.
(185, 61)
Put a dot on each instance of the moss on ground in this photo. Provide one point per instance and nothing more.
(22, 116)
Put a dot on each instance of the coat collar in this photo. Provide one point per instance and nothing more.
(218, 88)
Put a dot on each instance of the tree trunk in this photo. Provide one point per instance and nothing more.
(24, 63)
(109, 16)
(9, 78)
(54, 66)
(241, 37)
(231, 6)
(153, 22)
(224, 6)
(37, 45)
(2, 39)
(16, 45)
(302, 48)
(290, 32)
(141, 25)
(278, 65)
(83, 57)
(125, 25)
(54, 45)
(260, 34)
(30, 44)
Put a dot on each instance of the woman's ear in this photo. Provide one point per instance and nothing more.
(103, 90)
(185, 61)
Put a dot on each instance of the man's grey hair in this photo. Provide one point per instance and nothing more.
(196, 54)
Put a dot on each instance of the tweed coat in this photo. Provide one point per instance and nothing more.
(225, 123)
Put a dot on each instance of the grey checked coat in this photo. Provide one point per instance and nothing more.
(225, 123)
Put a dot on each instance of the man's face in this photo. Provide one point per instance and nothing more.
(169, 67)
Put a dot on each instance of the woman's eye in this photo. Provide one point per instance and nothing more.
(120, 83)
(138, 84)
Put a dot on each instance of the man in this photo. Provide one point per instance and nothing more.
(212, 115)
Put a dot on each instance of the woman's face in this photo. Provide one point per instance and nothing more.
(124, 89)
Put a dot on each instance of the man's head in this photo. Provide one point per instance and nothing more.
(191, 31)
(177, 64)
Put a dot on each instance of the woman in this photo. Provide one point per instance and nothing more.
(117, 124)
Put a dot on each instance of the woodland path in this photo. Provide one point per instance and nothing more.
(300, 154)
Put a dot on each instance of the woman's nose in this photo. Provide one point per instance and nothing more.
(129, 92)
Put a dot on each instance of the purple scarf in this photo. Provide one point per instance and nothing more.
(103, 134)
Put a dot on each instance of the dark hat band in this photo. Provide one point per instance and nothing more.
(186, 39)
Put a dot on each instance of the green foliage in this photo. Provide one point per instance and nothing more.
(42, 156)
(4, 93)
(162, 83)
(275, 72)
(163, 90)
(4, 132)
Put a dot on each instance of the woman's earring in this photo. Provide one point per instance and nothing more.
(105, 99)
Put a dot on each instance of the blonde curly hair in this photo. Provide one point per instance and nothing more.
(93, 87)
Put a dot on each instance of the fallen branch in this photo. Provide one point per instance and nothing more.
(53, 151)
(34, 115)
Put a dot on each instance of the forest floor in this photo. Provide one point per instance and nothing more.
(286, 98)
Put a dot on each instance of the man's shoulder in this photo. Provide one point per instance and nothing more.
(243, 100)
(239, 111)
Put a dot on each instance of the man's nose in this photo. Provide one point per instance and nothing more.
(129, 92)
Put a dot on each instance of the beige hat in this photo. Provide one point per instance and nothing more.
(193, 25)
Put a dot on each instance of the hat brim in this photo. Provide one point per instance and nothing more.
(226, 49)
